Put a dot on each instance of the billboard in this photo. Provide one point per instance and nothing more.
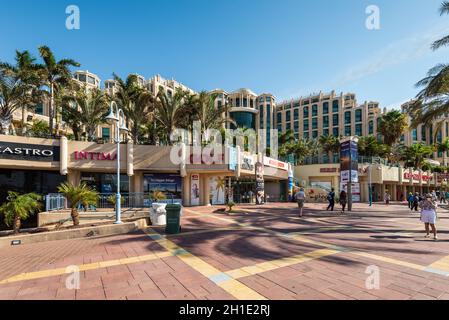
(349, 162)
(217, 187)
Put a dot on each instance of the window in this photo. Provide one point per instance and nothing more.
(402, 138)
(296, 129)
(414, 135)
(423, 133)
(251, 103)
(268, 116)
(336, 131)
(347, 117)
(325, 107)
(296, 114)
(347, 131)
(358, 130)
(306, 135)
(325, 158)
(91, 80)
(314, 134)
(431, 135)
(326, 122)
(371, 127)
(288, 116)
(245, 102)
(268, 99)
(105, 133)
(335, 120)
(306, 125)
(306, 112)
(279, 128)
(325, 132)
(335, 106)
(237, 102)
(358, 116)
(39, 109)
(279, 117)
(314, 110)
(82, 77)
(314, 123)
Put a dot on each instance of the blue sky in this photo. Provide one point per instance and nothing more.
(286, 47)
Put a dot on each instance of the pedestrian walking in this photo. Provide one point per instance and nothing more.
(443, 197)
(300, 197)
(416, 200)
(410, 201)
(343, 200)
(387, 198)
(331, 199)
(429, 215)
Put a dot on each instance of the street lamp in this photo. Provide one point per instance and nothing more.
(117, 117)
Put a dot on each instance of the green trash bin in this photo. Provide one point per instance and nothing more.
(173, 219)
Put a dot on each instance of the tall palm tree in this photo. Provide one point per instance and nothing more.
(432, 102)
(19, 207)
(170, 111)
(392, 126)
(330, 144)
(78, 195)
(25, 71)
(369, 146)
(301, 149)
(85, 110)
(444, 148)
(287, 137)
(415, 155)
(55, 74)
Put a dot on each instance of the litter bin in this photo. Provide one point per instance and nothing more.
(173, 219)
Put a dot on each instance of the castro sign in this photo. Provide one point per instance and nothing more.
(29, 152)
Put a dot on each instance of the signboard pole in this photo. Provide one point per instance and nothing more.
(350, 179)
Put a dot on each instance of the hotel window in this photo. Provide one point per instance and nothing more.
(325, 107)
(296, 136)
(219, 104)
(348, 117)
(431, 135)
(402, 138)
(358, 116)
(371, 127)
(296, 114)
(245, 102)
(414, 135)
(288, 116)
(325, 132)
(279, 128)
(306, 135)
(251, 103)
(268, 116)
(358, 130)
(237, 102)
(82, 77)
(314, 134)
(105, 133)
(296, 105)
(347, 131)
(296, 126)
(91, 80)
(268, 99)
(314, 123)
(335, 106)
(314, 110)
(326, 122)
(305, 102)
(336, 132)
(279, 117)
(306, 125)
(325, 158)
(440, 136)
(261, 99)
(335, 120)
(447, 129)
(39, 109)
(306, 112)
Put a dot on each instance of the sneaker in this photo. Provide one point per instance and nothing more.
(435, 238)
(427, 236)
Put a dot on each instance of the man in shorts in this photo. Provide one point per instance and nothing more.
(300, 197)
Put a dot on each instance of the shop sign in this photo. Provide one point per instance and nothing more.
(94, 156)
(417, 176)
(260, 183)
(270, 162)
(30, 152)
(247, 163)
(194, 190)
(328, 170)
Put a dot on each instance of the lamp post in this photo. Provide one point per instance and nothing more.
(370, 186)
(117, 117)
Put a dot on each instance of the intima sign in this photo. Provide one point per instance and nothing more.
(30, 152)
(95, 156)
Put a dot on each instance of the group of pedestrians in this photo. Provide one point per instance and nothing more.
(343, 200)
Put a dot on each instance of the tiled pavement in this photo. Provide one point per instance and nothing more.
(263, 253)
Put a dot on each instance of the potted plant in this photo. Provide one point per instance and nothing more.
(78, 195)
(157, 211)
(19, 207)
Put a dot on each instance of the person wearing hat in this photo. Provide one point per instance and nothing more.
(429, 215)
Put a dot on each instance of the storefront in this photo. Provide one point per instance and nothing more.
(105, 183)
(169, 184)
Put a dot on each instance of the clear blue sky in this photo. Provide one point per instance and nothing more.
(286, 47)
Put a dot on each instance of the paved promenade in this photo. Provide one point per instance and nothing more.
(265, 252)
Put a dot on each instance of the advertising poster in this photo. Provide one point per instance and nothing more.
(195, 190)
(217, 191)
(169, 184)
(349, 161)
(260, 183)
(356, 196)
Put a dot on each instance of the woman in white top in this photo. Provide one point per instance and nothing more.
(429, 215)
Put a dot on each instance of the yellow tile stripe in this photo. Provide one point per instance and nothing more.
(389, 260)
(442, 264)
(279, 263)
(232, 286)
(85, 267)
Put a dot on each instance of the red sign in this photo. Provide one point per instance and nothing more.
(95, 156)
(417, 176)
(269, 162)
(328, 170)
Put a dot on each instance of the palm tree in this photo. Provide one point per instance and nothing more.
(432, 102)
(415, 155)
(287, 137)
(392, 126)
(170, 111)
(78, 195)
(25, 71)
(444, 148)
(55, 74)
(330, 144)
(301, 149)
(19, 207)
(85, 109)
